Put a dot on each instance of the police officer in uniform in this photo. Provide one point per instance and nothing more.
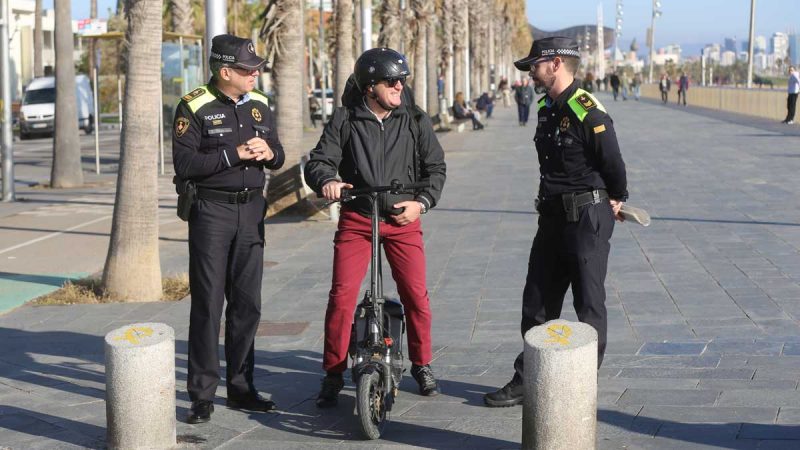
(581, 190)
(224, 137)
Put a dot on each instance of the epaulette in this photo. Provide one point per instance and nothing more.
(582, 102)
(255, 94)
(194, 94)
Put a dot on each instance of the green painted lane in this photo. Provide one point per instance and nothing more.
(18, 288)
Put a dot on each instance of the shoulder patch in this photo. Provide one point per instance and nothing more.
(586, 102)
(194, 94)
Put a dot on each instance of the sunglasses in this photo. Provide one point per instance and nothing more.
(392, 82)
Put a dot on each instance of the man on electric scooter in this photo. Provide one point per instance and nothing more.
(379, 135)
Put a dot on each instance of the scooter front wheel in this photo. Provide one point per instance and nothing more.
(371, 398)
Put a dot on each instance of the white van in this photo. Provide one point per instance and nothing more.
(37, 112)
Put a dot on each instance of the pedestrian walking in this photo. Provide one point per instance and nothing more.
(683, 86)
(663, 86)
(581, 190)
(615, 83)
(377, 113)
(523, 95)
(224, 137)
(793, 90)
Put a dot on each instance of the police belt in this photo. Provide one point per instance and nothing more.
(228, 197)
(555, 205)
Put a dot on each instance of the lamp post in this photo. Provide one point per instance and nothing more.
(656, 14)
(617, 32)
(750, 44)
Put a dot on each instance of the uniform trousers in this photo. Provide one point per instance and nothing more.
(405, 253)
(226, 261)
(563, 254)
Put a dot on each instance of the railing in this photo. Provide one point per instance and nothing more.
(765, 103)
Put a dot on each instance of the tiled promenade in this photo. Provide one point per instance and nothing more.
(704, 342)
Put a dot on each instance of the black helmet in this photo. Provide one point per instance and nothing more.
(379, 64)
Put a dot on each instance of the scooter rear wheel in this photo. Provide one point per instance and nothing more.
(371, 398)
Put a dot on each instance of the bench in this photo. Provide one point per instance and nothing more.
(459, 124)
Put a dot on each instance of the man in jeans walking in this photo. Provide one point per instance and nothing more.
(793, 90)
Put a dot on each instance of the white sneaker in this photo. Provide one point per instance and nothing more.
(790, 122)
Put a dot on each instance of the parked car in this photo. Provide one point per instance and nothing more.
(317, 114)
(38, 111)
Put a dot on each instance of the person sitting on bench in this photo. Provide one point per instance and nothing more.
(462, 111)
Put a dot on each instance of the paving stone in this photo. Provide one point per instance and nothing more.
(759, 397)
(672, 397)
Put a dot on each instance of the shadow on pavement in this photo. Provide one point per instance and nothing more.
(38, 425)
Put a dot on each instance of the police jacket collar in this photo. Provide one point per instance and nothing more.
(221, 96)
(564, 97)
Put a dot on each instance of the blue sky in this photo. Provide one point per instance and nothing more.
(690, 23)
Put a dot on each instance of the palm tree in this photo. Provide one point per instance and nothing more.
(447, 44)
(66, 171)
(38, 37)
(391, 34)
(460, 40)
(344, 46)
(132, 271)
(182, 18)
(423, 10)
(432, 98)
(282, 30)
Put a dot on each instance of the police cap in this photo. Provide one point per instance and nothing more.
(548, 48)
(236, 52)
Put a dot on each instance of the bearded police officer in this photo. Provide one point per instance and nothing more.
(224, 137)
(581, 190)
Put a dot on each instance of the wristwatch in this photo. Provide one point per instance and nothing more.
(422, 208)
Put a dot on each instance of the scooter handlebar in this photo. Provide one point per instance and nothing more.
(396, 187)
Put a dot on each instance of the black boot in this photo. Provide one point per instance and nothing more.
(329, 394)
(509, 395)
(425, 379)
(200, 412)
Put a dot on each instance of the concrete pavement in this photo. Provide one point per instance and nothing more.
(703, 305)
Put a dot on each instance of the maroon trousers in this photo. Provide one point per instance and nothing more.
(405, 252)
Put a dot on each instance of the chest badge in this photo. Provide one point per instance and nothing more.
(181, 125)
(564, 124)
(256, 114)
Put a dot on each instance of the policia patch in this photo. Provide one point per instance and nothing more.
(586, 102)
(256, 114)
(181, 125)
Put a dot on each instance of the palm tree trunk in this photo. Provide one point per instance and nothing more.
(460, 39)
(66, 171)
(38, 38)
(132, 271)
(92, 42)
(422, 10)
(285, 187)
(447, 45)
(357, 49)
(182, 20)
(432, 97)
(344, 46)
(391, 22)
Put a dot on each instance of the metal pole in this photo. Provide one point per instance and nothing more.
(652, 41)
(96, 122)
(323, 71)
(184, 73)
(366, 25)
(750, 44)
(119, 101)
(216, 14)
(5, 87)
(161, 129)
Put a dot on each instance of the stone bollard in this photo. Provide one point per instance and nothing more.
(140, 386)
(560, 376)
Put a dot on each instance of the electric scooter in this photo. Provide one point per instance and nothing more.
(376, 339)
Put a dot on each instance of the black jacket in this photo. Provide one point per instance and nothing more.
(577, 146)
(375, 154)
(207, 129)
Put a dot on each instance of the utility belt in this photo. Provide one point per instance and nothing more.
(569, 203)
(245, 196)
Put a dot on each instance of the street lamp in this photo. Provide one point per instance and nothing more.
(617, 32)
(656, 14)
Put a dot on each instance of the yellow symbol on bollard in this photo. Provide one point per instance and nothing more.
(559, 334)
(133, 334)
